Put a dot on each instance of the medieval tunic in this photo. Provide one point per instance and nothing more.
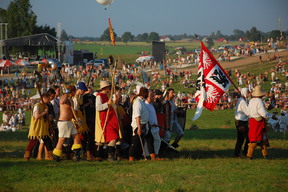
(78, 101)
(111, 127)
(39, 128)
(258, 116)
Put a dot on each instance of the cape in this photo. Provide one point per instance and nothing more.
(111, 130)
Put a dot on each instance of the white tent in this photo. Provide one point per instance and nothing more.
(37, 96)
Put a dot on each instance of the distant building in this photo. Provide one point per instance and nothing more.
(165, 39)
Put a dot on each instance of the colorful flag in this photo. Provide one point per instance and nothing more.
(211, 84)
(111, 31)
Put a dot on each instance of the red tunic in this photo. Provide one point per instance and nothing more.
(111, 131)
(256, 130)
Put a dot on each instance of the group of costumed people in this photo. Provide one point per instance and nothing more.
(100, 126)
(250, 120)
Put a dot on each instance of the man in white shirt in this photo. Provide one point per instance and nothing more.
(153, 135)
(241, 122)
(140, 118)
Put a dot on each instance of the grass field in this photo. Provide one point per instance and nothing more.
(205, 163)
(130, 52)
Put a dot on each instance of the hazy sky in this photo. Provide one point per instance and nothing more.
(88, 18)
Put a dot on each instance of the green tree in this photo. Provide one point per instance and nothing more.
(21, 19)
(254, 34)
(238, 34)
(274, 34)
(45, 29)
(219, 34)
(209, 42)
(126, 37)
(3, 16)
(106, 35)
(153, 36)
(142, 37)
(64, 36)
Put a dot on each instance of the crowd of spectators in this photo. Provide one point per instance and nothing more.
(15, 93)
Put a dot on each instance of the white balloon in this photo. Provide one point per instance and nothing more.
(104, 2)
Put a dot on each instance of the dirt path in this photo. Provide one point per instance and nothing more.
(245, 61)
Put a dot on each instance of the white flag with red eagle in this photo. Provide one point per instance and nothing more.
(211, 84)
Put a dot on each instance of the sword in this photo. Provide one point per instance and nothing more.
(144, 154)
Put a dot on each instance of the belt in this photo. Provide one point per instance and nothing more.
(257, 118)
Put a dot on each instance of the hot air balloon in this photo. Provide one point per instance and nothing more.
(105, 2)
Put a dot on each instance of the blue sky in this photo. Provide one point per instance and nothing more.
(88, 18)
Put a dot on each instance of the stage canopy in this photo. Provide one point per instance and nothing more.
(33, 41)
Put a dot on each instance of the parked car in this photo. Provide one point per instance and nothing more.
(97, 62)
(144, 58)
(225, 47)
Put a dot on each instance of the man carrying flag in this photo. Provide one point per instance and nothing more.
(211, 84)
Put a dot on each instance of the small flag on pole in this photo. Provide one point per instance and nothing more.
(111, 31)
(211, 84)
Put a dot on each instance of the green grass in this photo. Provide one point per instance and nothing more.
(205, 163)
(130, 52)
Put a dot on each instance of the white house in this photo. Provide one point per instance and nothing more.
(165, 38)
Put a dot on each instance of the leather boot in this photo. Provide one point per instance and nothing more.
(159, 159)
(99, 153)
(111, 153)
(264, 151)
(251, 148)
(118, 152)
(27, 155)
(155, 158)
(175, 145)
(89, 156)
(131, 159)
(77, 154)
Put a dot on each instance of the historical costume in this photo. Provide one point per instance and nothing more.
(257, 120)
(107, 126)
(39, 127)
(241, 122)
(140, 118)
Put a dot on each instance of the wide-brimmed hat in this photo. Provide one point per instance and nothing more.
(81, 85)
(104, 84)
(258, 91)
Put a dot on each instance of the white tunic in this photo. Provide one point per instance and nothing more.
(241, 111)
(152, 117)
(256, 108)
(139, 110)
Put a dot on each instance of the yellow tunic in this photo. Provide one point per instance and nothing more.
(80, 114)
(39, 128)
